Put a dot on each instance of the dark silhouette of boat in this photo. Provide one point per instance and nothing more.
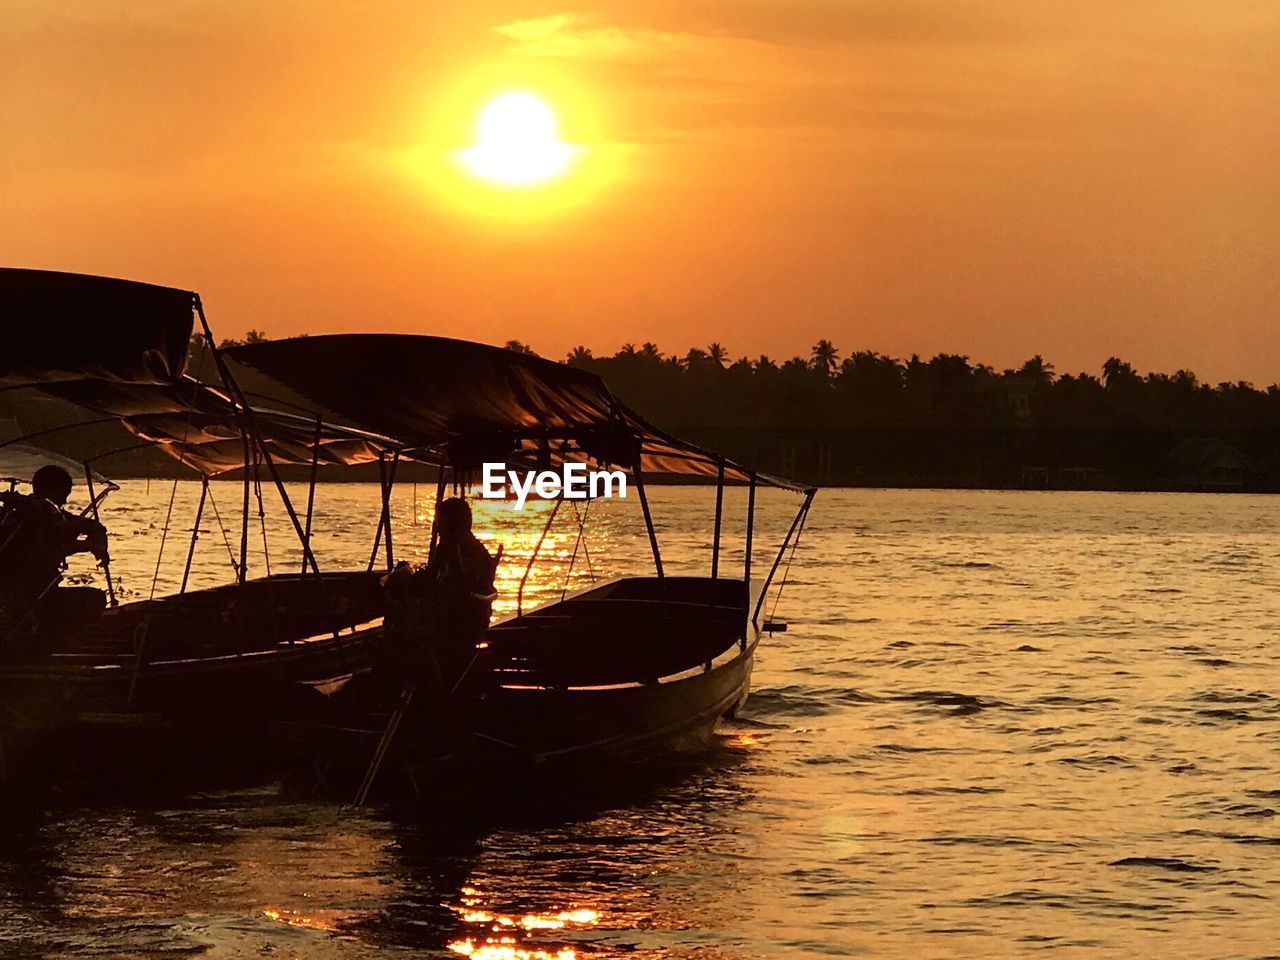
(631, 669)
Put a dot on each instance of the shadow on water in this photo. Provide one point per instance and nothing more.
(563, 866)
(555, 865)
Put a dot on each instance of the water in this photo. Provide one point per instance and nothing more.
(1001, 724)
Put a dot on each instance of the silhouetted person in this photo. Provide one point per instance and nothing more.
(36, 537)
(438, 613)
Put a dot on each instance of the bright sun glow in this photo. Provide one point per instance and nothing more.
(517, 143)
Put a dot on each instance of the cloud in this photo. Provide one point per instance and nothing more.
(581, 37)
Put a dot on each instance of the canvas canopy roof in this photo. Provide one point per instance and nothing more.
(461, 403)
(120, 347)
(20, 461)
(200, 427)
(66, 326)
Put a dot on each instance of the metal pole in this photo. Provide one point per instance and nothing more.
(382, 516)
(106, 564)
(746, 566)
(715, 546)
(195, 533)
(435, 527)
(311, 491)
(244, 513)
(249, 429)
(386, 507)
(648, 520)
(307, 555)
(796, 521)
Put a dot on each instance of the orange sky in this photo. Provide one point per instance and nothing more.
(1002, 178)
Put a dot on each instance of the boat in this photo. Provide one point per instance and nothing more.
(636, 668)
(217, 660)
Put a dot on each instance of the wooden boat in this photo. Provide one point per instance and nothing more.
(632, 669)
(219, 658)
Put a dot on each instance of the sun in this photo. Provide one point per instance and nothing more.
(517, 143)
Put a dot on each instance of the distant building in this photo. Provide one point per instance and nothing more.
(1208, 464)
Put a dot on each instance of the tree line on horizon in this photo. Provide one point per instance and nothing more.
(869, 415)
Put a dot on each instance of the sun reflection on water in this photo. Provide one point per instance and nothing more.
(500, 942)
(294, 918)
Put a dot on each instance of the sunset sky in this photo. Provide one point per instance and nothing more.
(998, 179)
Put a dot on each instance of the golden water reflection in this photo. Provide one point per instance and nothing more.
(502, 938)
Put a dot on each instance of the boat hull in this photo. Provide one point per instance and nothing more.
(694, 652)
(623, 724)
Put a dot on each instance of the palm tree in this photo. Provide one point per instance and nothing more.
(579, 356)
(696, 359)
(717, 353)
(1038, 369)
(1116, 372)
(825, 357)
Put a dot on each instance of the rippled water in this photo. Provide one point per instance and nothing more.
(1001, 724)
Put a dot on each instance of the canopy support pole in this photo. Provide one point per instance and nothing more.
(796, 521)
(106, 564)
(164, 538)
(382, 514)
(262, 514)
(307, 556)
(195, 533)
(311, 490)
(746, 564)
(435, 514)
(648, 520)
(715, 546)
(386, 506)
(242, 570)
(249, 429)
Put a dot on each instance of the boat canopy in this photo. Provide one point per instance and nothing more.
(460, 404)
(20, 461)
(201, 428)
(66, 326)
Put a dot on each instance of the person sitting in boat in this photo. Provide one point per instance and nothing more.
(37, 535)
(437, 614)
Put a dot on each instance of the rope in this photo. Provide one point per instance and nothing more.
(586, 551)
(164, 535)
(231, 555)
(262, 517)
(534, 556)
(582, 524)
(786, 571)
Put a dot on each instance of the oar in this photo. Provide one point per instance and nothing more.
(389, 734)
(393, 725)
(402, 707)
